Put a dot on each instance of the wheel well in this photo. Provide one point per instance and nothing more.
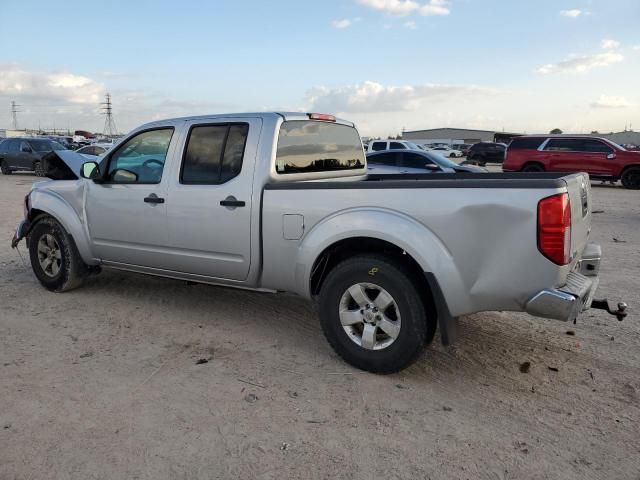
(627, 167)
(350, 247)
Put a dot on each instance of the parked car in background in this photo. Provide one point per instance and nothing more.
(92, 151)
(486, 152)
(599, 157)
(379, 145)
(25, 153)
(447, 152)
(463, 147)
(414, 162)
(254, 200)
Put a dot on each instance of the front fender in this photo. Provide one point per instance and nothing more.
(52, 203)
(391, 226)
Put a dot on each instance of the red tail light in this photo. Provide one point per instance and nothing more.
(554, 228)
(322, 116)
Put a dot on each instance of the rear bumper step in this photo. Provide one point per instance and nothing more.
(566, 302)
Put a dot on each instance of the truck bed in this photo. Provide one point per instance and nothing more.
(435, 180)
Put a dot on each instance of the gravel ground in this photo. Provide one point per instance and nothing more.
(110, 381)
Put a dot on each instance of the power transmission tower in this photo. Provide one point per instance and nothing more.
(109, 129)
(14, 114)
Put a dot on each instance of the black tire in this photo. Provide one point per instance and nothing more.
(631, 178)
(533, 167)
(4, 168)
(38, 168)
(70, 270)
(416, 329)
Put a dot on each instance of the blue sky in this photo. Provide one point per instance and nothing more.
(520, 65)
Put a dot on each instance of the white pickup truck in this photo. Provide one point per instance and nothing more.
(282, 202)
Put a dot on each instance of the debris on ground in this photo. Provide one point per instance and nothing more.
(571, 332)
(597, 211)
(524, 367)
(250, 398)
(284, 446)
(200, 361)
(447, 409)
(86, 355)
(617, 240)
(553, 369)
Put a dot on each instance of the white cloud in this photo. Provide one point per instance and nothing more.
(344, 23)
(370, 96)
(571, 13)
(406, 7)
(411, 25)
(636, 47)
(608, 101)
(581, 64)
(56, 86)
(609, 44)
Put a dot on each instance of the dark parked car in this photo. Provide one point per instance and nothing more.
(414, 161)
(486, 152)
(25, 154)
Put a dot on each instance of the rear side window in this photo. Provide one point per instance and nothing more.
(14, 145)
(564, 145)
(397, 146)
(306, 146)
(214, 153)
(379, 146)
(526, 143)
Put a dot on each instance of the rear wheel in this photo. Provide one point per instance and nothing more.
(54, 257)
(631, 178)
(373, 315)
(533, 167)
(38, 168)
(4, 168)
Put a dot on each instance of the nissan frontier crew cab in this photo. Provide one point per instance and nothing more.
(282, 202)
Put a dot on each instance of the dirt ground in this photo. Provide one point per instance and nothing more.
(104, 382)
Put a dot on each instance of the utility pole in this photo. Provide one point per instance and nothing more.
(109, 129)
(14, 114)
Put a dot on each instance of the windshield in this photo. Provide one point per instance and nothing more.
(616, 145)
(442, 161)
(45, 145)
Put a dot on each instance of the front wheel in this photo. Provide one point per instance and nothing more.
(4, 168)
(373, 315)
(54, 257)
(533, 167)
(631, 178)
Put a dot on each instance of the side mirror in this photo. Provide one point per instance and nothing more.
(89, 170)
(432, 167)
(611, 156)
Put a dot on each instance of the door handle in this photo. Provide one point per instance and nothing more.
(232, 201)
(153, 198)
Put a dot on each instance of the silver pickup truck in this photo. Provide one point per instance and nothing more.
(282, 202)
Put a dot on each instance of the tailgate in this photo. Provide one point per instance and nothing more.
(579, 189)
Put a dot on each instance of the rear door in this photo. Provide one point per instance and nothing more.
(563, 155)
(209, 212)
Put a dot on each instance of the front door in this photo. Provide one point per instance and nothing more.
(127, 214)
(209, 216)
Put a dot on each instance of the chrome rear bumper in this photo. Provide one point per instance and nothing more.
(566, 302)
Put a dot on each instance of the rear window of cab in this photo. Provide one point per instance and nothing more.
(307, 146)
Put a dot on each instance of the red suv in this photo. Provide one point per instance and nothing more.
(599, 157)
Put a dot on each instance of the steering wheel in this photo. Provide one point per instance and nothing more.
(147, 163)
